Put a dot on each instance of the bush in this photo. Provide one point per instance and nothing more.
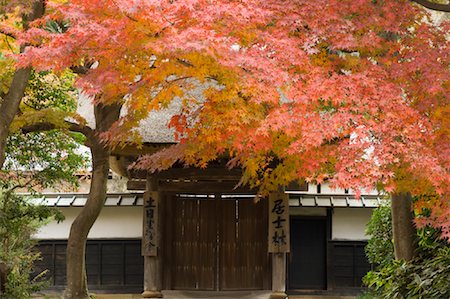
(19, 220)
(426, 276)
(380, 247)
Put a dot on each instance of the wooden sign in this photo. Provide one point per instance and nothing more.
(279, 240)
(150, 229)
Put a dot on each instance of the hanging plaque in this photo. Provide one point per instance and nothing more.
(150, 229)
(279, 240)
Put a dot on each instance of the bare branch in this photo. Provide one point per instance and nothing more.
(82, 69)
(7, 33)
(43, 126)
(433, 5)
(23, 185)
(185, 62)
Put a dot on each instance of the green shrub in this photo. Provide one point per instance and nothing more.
(380, 247)
(420, 278)
(19, 220)
(427, 276)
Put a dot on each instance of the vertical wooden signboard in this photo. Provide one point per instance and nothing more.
(150, 229)
(279, 240)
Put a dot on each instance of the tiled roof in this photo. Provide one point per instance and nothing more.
(334, 201)
(79, 199)
(314, 200)
(137, 199)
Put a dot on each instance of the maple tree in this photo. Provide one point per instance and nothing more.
(355, 92)
(14, 80)
(39, 105)
(33, 161)
(364, 101)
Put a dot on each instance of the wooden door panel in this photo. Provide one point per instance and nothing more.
(194, 241)
(206, 245)
(219, 244)
(243, 245)
(229, 271)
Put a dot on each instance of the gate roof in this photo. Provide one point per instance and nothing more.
(137, 199)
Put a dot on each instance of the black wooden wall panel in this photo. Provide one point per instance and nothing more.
(110, 264)
(349, 264)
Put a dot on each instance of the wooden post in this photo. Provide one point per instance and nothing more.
(151, 241)
(278, 241)
(278, 276)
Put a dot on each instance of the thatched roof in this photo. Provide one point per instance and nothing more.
(153, 129)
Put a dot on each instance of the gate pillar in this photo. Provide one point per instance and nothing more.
(278, 276)
(151, 241)
(279, 242)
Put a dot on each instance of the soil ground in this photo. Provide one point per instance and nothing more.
(202, 295)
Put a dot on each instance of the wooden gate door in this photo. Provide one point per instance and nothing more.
(219, 244)
(194, 247)
(244, 261)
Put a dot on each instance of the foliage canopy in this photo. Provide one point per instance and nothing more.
(356, 92)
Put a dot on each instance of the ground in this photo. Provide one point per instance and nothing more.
(204, 295)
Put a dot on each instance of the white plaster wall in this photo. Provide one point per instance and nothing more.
(326, 189)
(113, 222)
(350, 223)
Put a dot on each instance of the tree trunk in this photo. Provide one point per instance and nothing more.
(76, 272)
(403, 229)
(11, 101)
(3, 275)
(76, 287)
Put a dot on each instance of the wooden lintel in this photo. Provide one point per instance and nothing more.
(203, 187)
(138, 174)
(300, 185)
(200, 174)
(136, 185)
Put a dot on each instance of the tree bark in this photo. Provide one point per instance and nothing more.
(76, 272)
(11, 101)
(433, 5)
(3, 275)
(403, 229)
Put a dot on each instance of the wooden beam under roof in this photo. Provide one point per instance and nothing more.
(203, 187)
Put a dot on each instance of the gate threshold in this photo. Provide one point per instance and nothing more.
(178, 294)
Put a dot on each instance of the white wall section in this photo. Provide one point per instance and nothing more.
(350, 223)
(113, 222)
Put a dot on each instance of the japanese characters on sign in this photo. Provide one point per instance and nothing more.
(278, 222)
(150, 237)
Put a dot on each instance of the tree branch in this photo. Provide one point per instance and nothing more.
(23, 185)
(74, 127)
(80, 69)
(9, 34)
(433, 5)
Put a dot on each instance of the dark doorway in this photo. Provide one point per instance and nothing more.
(307, 264)
(218, 244)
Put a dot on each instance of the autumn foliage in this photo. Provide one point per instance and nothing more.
(355, 92)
